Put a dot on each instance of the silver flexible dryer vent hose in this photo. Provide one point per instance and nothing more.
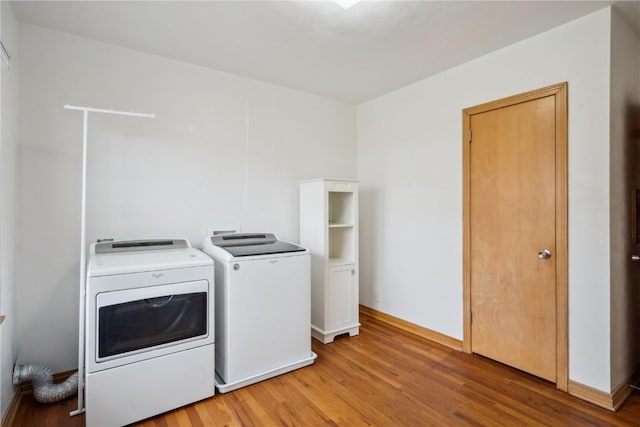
(41, 377)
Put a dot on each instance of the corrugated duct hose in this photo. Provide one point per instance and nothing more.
(41, 377)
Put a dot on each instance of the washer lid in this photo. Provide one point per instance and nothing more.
(249, 244)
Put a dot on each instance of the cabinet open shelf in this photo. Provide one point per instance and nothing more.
(341, 207)
(341, 242)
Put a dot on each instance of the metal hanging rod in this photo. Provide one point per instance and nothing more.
(108, 111)
(83, 241)
(4, 53)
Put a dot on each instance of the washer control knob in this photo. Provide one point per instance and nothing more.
(236, 267)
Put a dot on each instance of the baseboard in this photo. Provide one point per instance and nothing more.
(12, 410)
(591, 395)
(412, 328)
(611, 401)
(622, 392)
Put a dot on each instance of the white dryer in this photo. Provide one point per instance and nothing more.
(263, 307)
(149, 329)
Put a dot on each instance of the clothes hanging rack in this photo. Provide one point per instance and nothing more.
(83, 238)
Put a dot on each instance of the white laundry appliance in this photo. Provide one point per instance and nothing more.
(149, 329)
(263, 307)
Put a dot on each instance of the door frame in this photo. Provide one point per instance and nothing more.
(559, 91)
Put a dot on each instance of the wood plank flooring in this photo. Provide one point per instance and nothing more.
(382, 377)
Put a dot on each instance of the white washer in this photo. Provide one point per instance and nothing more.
(263, 307)
(149, 335)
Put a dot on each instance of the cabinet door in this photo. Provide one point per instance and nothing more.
(342, 309)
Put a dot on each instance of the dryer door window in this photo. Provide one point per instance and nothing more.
(143, 322)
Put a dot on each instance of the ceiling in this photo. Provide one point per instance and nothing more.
(352, 55)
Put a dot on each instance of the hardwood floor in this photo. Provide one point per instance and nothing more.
(383, 378)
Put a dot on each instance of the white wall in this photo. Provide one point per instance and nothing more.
(410, 169)
(8, 171)
(224, 150)
(625, 176)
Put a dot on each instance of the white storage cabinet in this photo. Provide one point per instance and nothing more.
(329, 229)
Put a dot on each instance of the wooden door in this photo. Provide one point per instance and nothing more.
(512, 232)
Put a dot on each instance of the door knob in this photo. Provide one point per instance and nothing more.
(544, 254)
